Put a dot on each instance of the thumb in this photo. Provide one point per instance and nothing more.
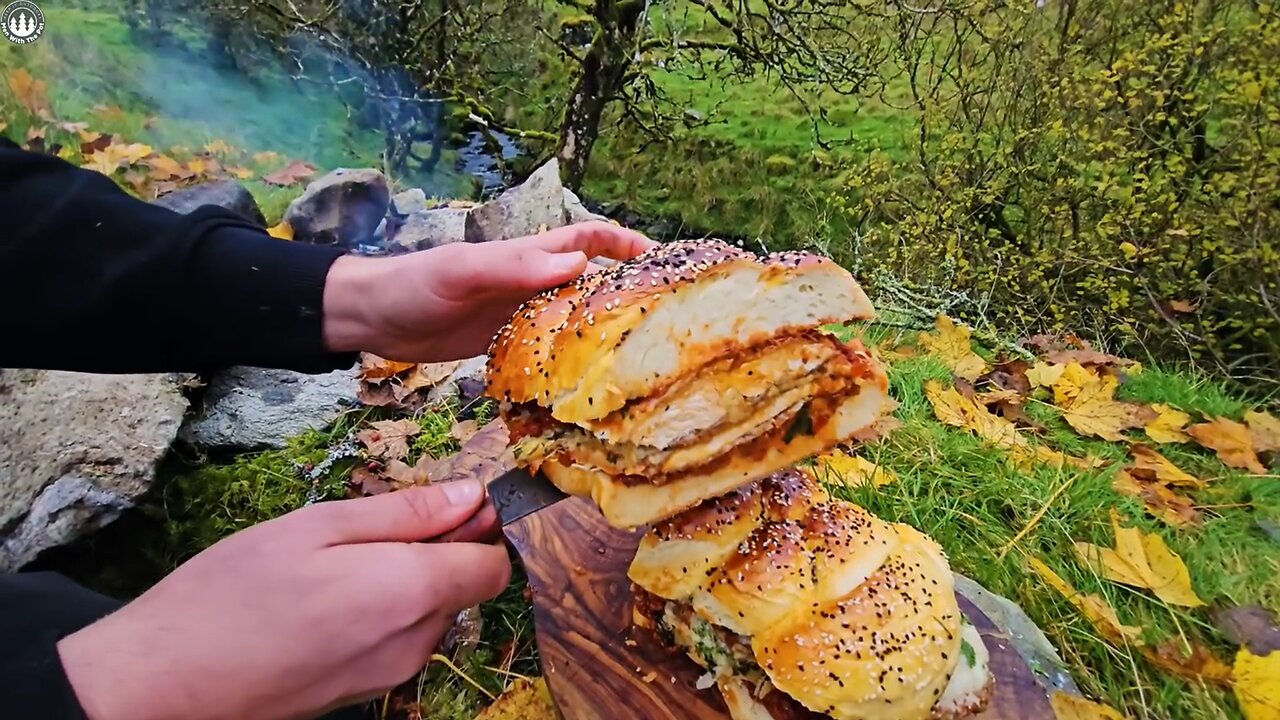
(409, 515)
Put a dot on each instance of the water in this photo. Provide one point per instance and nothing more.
(476, 160)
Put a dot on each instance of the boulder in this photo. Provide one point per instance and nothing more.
(575, 211)
(1022, 632)
(410, 201)
(246, 408)
(342, 208)
(426, 229)
(76, 449)
(536, 204)
(227, 194)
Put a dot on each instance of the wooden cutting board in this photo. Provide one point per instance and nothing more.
(598, 666)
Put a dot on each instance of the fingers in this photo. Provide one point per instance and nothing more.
(408, 515)
(459, 575)
(596, 238)
(482, 527)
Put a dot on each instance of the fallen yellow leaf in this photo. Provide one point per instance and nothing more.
(1088, 404)
(1157, 499)
(1257, 685)
(1231, 441)
(951, 344)
(240, 171)
(284, 231)
(218, 147)
(164, 167)
(1151, 465)
(524, 699)
(1044, 374)
(1142, 560)
(1265, 430)
(29, 91)
(267, 157)
(376, 369)
(852, 470)
(952, 408)
(1072, 707)
(1167, 425)
(1095, 609)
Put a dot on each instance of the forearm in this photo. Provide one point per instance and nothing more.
(95, 280)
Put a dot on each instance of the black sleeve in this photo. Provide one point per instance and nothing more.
(36, 611)
(93, 279)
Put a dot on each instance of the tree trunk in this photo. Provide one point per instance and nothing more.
(581, 124)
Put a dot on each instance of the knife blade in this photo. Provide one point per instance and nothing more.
(517, 493)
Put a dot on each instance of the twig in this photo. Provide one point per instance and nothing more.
(458, 671)
(1036, 519)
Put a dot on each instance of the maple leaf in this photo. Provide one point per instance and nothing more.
(367, 482)
(429, 375)
(404, 475)
(218, 147)
(203, 166)
(164, 167)
(1072, 707)
(1157, 499)
(291, 174)
(851, 470)
(951, 344)
(93, 142)
(1142, 560)
(1257, 685)
(1231, 441)
(388, 438)
(240, 171)
(1088, 404)
(376, 368)
(1044, 375)
(136, 180)
(1089, 359)
(524, 699)
(952, 408)
(1199, 663)
(1093, 607)
(1167, 425)
(1151, 465)
(284, 231)
(31, 93)
(1264, 428)
(484, 456)
(1008, 375)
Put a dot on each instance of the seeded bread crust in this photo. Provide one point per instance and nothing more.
(544, 353)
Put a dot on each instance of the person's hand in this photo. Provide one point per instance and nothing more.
(326, 606)
(448, 302)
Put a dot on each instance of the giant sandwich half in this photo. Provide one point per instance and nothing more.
(683, 374)
(801, 606)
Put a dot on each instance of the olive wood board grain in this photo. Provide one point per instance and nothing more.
(597, 666)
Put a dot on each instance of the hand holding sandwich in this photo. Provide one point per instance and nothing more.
(446, 303)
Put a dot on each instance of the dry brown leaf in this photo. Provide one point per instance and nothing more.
(463, 430)
(1157, 499)
(388, 438)
(851, 470)
(1142, 560)
(1201, 664)
(1007, 375)
(1152, 466)
(484, 456)
(1180, 306)
(1167, 426)
(375, 368)
(997, 396)
(1088, 404)
(1231, 441)
(136, 180)
(524, 699)
(876, 431)
(1072, 707)
(94, 142)
(1264, 429)
(427, 375)
(950, 342)
(1093, 607)
(1089, 359)
(28, 91)
(1252, 626)
(367, 482)
(291, 174)
(1044, 375)
(404, 475)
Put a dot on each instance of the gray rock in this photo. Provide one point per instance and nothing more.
(76, 449)
(1022, 632)
(467, 373)
(426, 229)
(575, 211)
(410, 201)
(535, 204)
(227, 194)
(342, 208)
(247, 408)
